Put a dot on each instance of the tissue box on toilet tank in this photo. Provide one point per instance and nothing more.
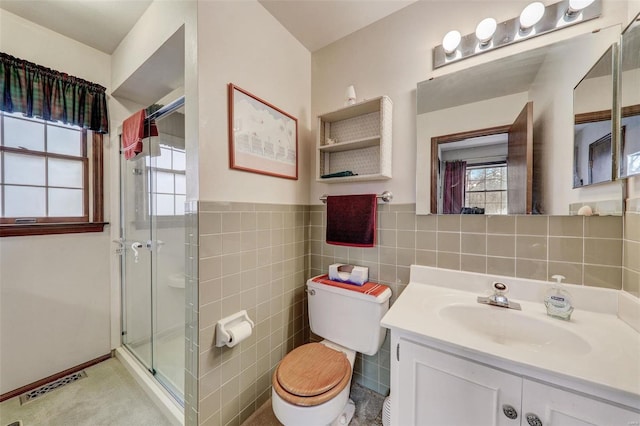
(351, 274)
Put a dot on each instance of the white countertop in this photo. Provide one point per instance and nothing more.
(601, 355)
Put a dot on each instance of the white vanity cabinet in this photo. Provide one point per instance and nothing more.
(433, 387)
(441, 389)
(560, 407)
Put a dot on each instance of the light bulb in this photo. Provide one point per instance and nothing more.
(576, 6)
(485, 30)
(451, 41)
(531, 15)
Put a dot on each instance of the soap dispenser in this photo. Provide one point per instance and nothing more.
(558, 300)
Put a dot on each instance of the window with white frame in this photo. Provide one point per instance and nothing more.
(486, 187)
(44, 171)
(168, 189)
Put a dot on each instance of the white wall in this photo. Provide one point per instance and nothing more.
(54, 290)
(390, 56)
(593, 94)
(241, 43)
(159, 22)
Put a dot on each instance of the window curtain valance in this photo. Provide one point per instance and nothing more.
(41, 92)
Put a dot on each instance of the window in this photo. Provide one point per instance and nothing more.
(486, 187)
(168, 189)
(633, 163)
(45, 173)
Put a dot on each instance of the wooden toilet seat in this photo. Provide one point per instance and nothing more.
(311, 375)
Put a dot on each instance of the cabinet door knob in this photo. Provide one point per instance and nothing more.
(509, 411)
(533, 419)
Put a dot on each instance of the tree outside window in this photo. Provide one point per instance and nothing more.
(486, 187)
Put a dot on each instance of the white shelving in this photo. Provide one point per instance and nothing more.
(363, 142)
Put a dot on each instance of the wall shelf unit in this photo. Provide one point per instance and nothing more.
(363, 135)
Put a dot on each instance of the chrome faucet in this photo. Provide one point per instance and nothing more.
(498, 297)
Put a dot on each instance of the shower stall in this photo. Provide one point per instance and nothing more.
(152, 237)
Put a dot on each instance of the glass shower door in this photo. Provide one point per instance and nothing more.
(168, 189)
(153, 193)
(135, 232)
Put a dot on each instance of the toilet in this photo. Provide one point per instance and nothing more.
(311, 384)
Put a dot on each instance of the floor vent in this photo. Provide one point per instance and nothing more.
(44, 389)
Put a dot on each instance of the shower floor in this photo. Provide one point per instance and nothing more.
(169, 359)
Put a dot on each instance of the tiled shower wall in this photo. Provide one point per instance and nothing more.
(631, 259)
(587, 250)
(191, 314)
(252, 257)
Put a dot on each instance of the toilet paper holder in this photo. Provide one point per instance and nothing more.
(223, 337)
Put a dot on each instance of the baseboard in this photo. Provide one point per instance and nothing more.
(41, 382)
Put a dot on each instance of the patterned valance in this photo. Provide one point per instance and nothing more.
(41, 92)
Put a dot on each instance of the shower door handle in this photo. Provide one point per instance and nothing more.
(155, 245)
(121, 247)
(135, 246)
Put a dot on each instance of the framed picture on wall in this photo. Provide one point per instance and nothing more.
(262, 138)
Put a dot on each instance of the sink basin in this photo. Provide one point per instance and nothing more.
(514, 328)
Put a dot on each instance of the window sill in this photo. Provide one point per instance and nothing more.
(14, 230)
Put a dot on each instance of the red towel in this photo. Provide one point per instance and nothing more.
(370, 288)
(134, 130)
(351, 220)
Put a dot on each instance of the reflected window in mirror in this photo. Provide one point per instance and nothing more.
(469, 169)
(497, 173)
(473, 175)
(486, 188)
(630, 141)
(632, 159)
(593, 100)
(630, 99)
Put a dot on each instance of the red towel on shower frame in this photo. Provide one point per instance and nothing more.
(134, 129)
(351, 220)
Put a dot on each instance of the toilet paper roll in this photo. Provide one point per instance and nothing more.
(238, 333)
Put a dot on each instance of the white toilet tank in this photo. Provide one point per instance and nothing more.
(348, 318)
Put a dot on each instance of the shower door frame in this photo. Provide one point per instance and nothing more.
(149, 246)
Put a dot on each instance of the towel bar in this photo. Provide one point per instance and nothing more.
(386, 196)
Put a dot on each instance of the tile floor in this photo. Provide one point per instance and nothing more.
(107, 396)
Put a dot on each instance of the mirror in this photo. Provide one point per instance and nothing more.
(593, 145)
(474, 102)
(470, 170)
(630, 100)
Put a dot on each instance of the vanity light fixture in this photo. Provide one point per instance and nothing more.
(531, 15)
(576, 6)
(451, 41)
(485, 30)
(535, 20)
